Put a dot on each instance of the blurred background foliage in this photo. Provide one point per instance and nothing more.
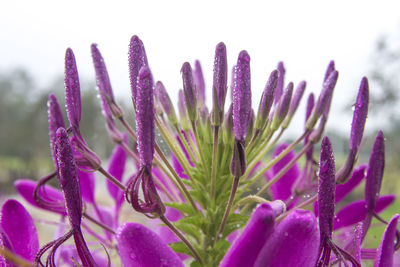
(24, 145)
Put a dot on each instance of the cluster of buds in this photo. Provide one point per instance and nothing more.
(199, 196)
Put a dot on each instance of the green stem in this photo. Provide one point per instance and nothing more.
(185, 144)
(228, 206)
(181, 237)
(196, 136)
(214, 162)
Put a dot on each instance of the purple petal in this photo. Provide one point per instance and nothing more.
(242, 97)
(145, 117)
(20, 229)
(342, 190)
(116, 168)
(5, 243)
(137, 59)
(87, 183)
(326, 189)
(282, 189)
(26, 188)
(294, 104)
(386, 248)
(246, 247)
(139, 246)
(329, 69)
(356, 211)
(294, 242)
(72, 90)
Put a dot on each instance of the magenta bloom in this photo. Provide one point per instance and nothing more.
(294, 242)
(139, 246)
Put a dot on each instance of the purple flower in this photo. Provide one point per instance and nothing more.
(139, 246)
(294, 242)
(387, 248)
(19, 229)
(247, 246)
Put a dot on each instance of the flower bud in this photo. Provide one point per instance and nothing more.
(242, 97)
(189, 91)
(199, 82)
(104, 84)
(283, 107)
(324, 101)
(56, 120)
(294, 104)
(281, 82)
(386, 249)
(219, 83)
(266, 101)
(137, 59)
(72, 90)
(163, 98)
(145, 117)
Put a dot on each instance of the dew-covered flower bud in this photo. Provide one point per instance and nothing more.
(163, 98)
(294, 104)
(357, 130)
(373, 179)
(104, 84)
(183, 115)
(68, 178)
(241, 112)
(145, 117)
(199, 82)
(228, 135)
(189, 91)
(219, 83)
(266, 101)
(72, 90)
(242, 97)
(56, 120)
(281, 82)
(324, 101)
(283, 108)
(137, 59)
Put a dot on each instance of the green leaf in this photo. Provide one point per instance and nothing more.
(180, 247)
(190, 230)
(182, 207)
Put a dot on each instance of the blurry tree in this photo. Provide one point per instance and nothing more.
(24, 141)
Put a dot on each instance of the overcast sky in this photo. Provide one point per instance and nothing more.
(304, 34)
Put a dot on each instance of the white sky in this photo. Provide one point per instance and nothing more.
(304, 34)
